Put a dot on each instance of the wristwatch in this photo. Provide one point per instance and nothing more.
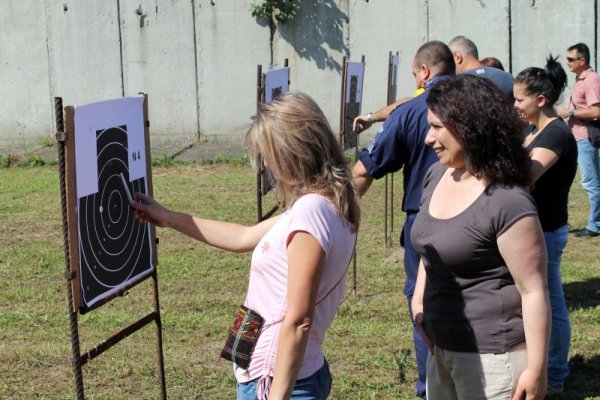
(571, 113)
(369, 117)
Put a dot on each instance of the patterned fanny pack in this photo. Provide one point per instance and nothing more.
(243, 335)
(247, 327)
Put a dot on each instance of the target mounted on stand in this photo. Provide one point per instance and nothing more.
(114, 252)
(269, 87)
(104, 157)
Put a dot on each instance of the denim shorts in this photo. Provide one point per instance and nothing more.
(315, 387)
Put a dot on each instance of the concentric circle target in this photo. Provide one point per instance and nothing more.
(114, 248)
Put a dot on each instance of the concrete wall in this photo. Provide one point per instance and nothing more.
(542, 27)
(83, 41)
(159, 58)
(25, 108)
(197, 59)
(230, 45)
(378, 27)
(315, 45)
(486, 22)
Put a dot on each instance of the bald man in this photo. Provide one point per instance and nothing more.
(466, 58)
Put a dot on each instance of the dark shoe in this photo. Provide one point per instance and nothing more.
(586, 233)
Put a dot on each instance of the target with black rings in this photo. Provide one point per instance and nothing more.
(114, 249)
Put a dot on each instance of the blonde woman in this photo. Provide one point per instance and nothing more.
(300, 257)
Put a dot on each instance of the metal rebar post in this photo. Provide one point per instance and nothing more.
(61, 138)
(159, 341)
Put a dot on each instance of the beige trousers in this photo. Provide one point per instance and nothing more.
(473, 376)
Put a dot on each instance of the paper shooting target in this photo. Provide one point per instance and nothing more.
(354, 82)
(277, 82)
(115, 251)
(114, 248)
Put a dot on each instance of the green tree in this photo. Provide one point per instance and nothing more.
(280, 10)
(271, 12)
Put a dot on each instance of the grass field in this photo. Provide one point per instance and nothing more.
(369, 346)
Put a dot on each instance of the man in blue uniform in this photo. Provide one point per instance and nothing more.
(400, 143)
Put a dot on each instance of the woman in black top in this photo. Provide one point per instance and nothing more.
(553, 150)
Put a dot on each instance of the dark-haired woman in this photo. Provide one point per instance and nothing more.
(553, 150)
(481, 300)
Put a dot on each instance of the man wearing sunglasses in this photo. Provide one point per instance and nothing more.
(584, 106)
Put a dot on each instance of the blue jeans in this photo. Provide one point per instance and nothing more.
(589, 167)
(560, 333)
(315, 387)
(411, 268)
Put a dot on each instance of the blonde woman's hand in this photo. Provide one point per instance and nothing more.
(148, 210)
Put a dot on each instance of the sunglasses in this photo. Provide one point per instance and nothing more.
(571, 59)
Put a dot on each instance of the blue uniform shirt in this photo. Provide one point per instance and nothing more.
(401, 143)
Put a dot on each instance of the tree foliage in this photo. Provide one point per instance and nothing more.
(280, 10)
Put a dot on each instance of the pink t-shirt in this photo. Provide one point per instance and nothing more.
(586, 92)
(267, 289)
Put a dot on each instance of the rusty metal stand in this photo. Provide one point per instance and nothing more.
(343, 146)
(389, 183)
(75, 348)
(259, 163)
(261, 180)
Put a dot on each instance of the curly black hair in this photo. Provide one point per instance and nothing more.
(484, 121)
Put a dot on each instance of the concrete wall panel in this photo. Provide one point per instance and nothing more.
(230, 46)
(159, 59)
(405, 31)
(84, 50)
(197, 59)
(485, 22)
(25, 112)
(544, 26)
(315, 44)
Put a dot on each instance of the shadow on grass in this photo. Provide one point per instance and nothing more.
(583, 294)
(584, 380)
